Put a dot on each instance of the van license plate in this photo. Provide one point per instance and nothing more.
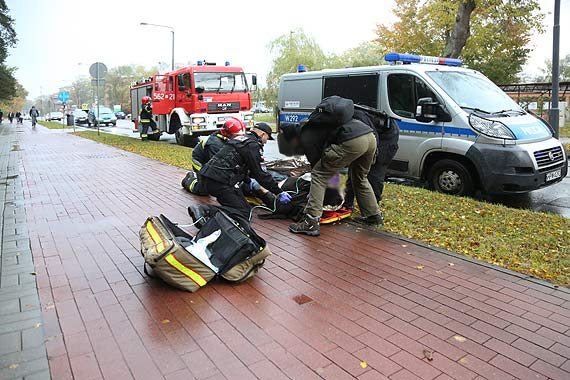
(553, 175)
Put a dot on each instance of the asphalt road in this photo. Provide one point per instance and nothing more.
(554, 199)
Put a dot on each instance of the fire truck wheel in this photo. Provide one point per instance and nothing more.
(186, 140)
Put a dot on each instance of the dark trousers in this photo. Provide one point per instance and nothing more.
(386, 152)
(228, 196)
(145, 126)
(197, 186)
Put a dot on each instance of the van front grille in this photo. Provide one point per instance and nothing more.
(548, 157)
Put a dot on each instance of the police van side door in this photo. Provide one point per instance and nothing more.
(417, 139)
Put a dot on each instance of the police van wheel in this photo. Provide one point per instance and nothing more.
(450, 177)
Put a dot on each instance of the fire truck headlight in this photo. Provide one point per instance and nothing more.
(198, 120)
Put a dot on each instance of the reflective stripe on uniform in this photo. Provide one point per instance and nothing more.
(155, 236)
(192, 184)
(188, 272)
(196, 165)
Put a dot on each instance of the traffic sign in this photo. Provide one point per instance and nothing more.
(98, 70)
(97, 82)
(63, 96)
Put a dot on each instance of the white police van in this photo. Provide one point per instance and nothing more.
(458, 130)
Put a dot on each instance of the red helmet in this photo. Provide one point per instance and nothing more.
(232, 126)
(145, 99)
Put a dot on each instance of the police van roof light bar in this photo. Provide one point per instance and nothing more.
(412, 58)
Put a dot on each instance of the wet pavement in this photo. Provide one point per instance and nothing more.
(350, 304)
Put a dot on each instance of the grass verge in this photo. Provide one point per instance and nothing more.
(53, 125)
(535, 244)
(266, 117)
(168, 153)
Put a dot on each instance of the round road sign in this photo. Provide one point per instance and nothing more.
(98, 70)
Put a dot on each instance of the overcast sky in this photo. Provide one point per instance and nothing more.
(59, 39)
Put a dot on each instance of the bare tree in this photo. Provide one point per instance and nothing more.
(460, 32)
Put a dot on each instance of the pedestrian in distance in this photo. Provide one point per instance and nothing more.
(11, 117)
(147, 121)
(206, 149)
(19, 118)
(239, 160)
(34, 113)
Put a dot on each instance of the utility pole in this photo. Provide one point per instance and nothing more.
(554, 116)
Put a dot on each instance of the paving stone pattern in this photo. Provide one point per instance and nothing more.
(349, 304)
(22, 348)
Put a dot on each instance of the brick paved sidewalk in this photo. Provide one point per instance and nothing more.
(349, 304)
(22, 349)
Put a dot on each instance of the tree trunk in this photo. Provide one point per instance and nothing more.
(460, 33)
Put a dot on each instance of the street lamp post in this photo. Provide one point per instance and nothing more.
(171, 30)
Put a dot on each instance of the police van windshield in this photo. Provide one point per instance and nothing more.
(473, 92)
(220, 82)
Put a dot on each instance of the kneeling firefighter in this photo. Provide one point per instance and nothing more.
(147, 121)
(206, 149)
(240, 160)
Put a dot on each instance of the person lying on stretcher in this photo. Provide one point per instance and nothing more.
(298, 187)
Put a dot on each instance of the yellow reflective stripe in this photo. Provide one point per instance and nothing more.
(194, 276)
(196, 166)
(155, 236)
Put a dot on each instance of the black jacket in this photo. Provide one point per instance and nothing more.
(146, 112)
(238, 160)
(206, 149)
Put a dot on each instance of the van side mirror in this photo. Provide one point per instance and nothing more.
(254, 80)
(199, 89)
(429, 110)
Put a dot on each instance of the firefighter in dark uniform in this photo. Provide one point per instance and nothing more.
(147, 121)
(206, 149)
(240, 160)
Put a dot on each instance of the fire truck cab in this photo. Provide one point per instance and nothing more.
(196, 100)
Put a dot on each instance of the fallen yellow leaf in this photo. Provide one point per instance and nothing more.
(459, 338)
(165, 321)
(420, 267)
(13, 366)
(36, 325)
(363, 364)
(450, 264)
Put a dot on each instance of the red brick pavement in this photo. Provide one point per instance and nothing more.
(349, 304)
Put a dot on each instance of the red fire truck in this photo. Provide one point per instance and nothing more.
(196, 100)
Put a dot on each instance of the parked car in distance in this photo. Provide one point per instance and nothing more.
(120, 115)
(261, 108)
(80, 117)
(105, 116)
(27, 117)
(52, 116)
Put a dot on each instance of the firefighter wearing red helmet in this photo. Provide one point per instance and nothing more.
(206, 149)
(239, 160)
(147, 121)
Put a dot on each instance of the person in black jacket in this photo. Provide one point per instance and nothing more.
(387, 135)
(240, 160)
(146, 118)
(336, 140)
(206, 149)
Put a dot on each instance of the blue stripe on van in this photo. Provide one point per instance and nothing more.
(434, 129)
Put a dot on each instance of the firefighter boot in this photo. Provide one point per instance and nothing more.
(144, 137)
(198, 215)
(308, 225)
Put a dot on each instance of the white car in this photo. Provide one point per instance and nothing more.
(52, 116)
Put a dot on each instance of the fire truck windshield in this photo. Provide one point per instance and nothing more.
(220, 82)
